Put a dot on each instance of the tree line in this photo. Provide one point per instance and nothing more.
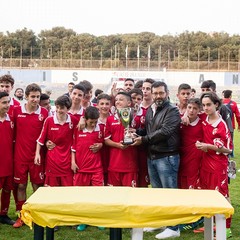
(66, 43)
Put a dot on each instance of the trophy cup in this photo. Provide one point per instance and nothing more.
(124, 114)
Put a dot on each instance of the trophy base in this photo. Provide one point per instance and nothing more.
(127, 141)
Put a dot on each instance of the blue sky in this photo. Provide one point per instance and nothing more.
(105, 17)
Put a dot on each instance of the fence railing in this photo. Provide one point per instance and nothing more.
(116, 64)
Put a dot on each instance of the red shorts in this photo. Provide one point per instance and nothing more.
(186, 182)
(21, 171)
(143, 177)
(6, 183)
(128, 179)
(214, 181)
(88, 179)
(65, 181)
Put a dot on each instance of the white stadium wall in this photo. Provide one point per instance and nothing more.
(172, 78)
(57, 80)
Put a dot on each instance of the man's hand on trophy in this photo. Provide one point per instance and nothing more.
(137, 141)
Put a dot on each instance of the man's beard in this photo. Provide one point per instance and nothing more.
(159, 102)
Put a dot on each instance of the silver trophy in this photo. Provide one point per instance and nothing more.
(124, 115)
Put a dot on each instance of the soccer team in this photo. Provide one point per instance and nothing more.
(81, 143)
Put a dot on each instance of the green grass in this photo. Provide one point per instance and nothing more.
(92, 233)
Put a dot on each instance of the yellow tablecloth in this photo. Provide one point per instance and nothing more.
(121, 207)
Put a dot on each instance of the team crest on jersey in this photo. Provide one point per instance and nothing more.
(100, 134)
(142, 119)
(11, 124)
(215, 130)
(70, 125)
(40, 117)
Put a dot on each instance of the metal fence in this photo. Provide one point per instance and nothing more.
(118, 64)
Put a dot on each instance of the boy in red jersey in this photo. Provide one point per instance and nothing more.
(138, 123)
(190, 157)
(6, 85)
(103, 106)
(28, 120)
(58, 129)
(183, 95)
(216, 145)
(137, 97)
(6, 157)
(123, 167)
(77, 96)
(86, 157)
(86, 101)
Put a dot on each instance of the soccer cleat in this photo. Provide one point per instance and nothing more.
(232, 170)
(5, 219)
(228, 233)
(19, 223)
(201, 230)
(191, 226)
(81, 227)
(168, 233)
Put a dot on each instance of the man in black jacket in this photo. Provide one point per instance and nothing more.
(162, 139)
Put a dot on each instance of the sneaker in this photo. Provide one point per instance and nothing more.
(149, 229)
(5, 219)
(191, 226)
(101, 228)
(81, 227)
(201, 230)
(232, 170)
(19, 223)
(168, 233)
(228, 233)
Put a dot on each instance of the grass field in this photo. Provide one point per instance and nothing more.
(93, 233)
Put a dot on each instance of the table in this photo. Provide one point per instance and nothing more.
(125, 207)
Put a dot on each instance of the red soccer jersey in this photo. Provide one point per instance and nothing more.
(86, 160)
(138, 122)
(28, 128)
(13, 103)
(6, 147)
(78, 115)
(121, 160)
(58, 160)
(216, 134)
(190, 156)
(139, 119)
(104, 151)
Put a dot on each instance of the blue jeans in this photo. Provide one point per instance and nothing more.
(163, 173)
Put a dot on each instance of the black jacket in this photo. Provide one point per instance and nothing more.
(162, 131)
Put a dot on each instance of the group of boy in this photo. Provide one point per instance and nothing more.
(58, 159)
